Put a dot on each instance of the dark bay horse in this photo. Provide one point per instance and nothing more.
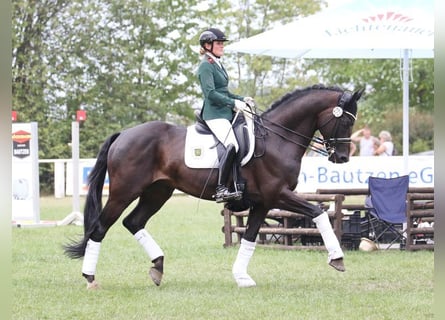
(146, 162)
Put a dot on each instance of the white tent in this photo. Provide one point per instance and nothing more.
(375, 29)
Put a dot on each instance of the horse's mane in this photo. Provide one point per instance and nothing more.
(298, 93)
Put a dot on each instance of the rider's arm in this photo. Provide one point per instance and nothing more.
(215, 88)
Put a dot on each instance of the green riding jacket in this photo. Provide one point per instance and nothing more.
(218, 100)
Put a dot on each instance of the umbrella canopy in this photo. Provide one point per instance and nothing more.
(365, 29)
(356, 29)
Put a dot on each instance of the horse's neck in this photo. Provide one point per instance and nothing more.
(296, 118)
(300, 116)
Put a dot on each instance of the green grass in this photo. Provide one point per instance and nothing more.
(198, 282)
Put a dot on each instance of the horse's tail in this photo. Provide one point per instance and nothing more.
(93, 203)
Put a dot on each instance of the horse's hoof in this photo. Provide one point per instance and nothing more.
(244, 281)
(155, 275)
(92, 285)
(337, 264)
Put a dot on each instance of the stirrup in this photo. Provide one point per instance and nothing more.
(223, 194)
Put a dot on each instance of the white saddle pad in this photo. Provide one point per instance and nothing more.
(200, 149)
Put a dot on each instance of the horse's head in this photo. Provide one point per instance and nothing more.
(335, 124)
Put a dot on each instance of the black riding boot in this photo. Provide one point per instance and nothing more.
(225, 166)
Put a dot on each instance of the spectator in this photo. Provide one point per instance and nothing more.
(386, 147)
(352, 149)
(367, 142)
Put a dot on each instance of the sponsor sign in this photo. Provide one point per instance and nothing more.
(25, 172)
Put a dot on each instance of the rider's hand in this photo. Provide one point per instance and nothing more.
(249, 101)
(239, 105)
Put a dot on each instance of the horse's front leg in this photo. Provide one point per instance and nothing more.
(290, 201)
(248, 242)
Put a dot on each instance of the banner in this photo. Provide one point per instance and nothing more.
(85, 167)
(25, 172)
(319, 173)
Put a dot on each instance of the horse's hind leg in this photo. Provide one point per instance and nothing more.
(149, 203)
(110, 213)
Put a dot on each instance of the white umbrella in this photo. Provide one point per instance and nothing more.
(376, 29)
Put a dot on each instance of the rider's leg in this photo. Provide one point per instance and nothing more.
(222, 129)
(225, 167)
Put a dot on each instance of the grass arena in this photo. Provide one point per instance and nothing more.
(198, 284)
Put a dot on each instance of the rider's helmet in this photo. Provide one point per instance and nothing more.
(210, 35)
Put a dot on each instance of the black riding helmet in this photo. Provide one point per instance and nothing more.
(211, 35)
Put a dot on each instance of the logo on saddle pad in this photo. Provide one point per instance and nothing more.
(201, 150)
(197, 152)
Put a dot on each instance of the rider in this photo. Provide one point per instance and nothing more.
(220, 105)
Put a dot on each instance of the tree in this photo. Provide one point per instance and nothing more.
(126, 65)
(30, 72)
(119, 60)
(125, 62)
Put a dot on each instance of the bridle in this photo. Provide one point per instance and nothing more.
(329, 144)
(337, 113)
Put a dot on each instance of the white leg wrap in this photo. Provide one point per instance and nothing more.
(329, 238)
(91, 257)
(149, 244)
(239, 268)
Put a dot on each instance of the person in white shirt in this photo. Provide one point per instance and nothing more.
(367, 142)
(386, 147)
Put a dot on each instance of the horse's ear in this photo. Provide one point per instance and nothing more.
(357, 94)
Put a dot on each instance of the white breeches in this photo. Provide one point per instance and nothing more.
(222, 129)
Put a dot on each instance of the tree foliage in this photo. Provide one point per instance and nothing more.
(263, 77)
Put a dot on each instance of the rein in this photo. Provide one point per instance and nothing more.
(330, 143)
(288, 130)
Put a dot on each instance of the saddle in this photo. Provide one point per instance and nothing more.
(202, 147)
(239, 129)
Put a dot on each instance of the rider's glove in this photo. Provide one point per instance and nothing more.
(249, 101)
(239, 106)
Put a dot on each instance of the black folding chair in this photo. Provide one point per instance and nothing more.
(386, 205)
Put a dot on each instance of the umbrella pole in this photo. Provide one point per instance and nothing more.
(405, 79)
